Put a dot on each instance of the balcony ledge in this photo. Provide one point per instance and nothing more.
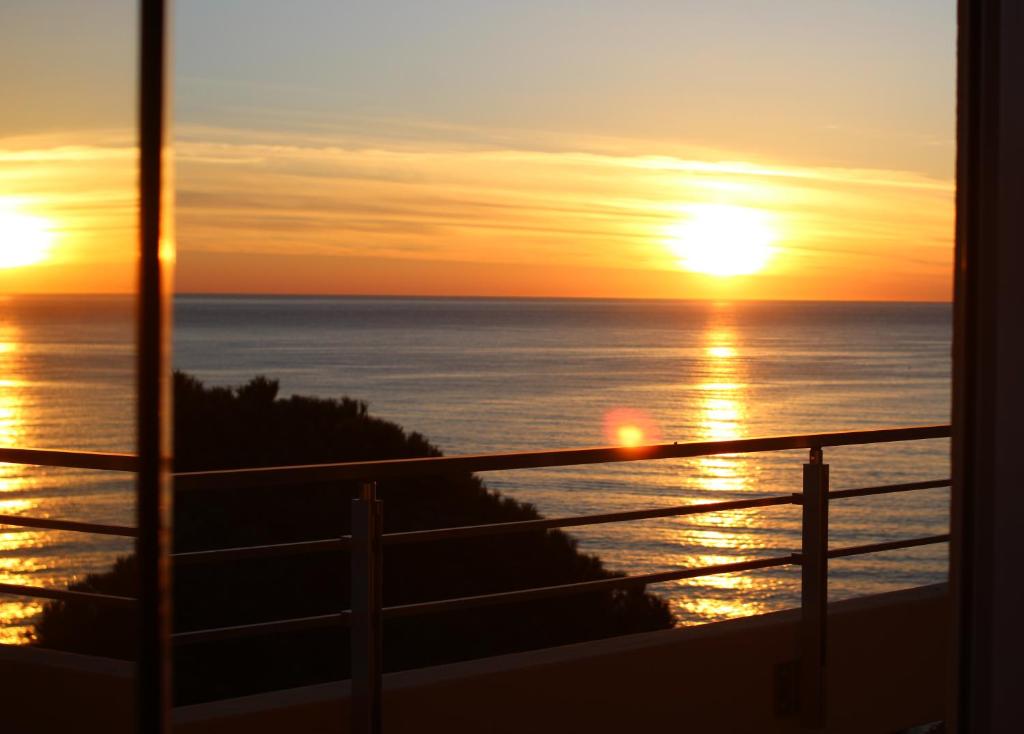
(887, 671)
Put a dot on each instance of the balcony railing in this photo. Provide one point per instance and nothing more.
(367, 540)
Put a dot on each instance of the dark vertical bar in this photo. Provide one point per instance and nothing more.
(988, 360)
(153, 506)
(814, 592)
(973, 35)
(367, 528)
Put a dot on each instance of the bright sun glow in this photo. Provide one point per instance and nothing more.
(723, 240)
(25, 239)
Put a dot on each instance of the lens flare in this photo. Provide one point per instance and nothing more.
(631, 435)
(630, 427)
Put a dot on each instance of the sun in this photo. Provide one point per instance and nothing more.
(25, 239)
(723, 240)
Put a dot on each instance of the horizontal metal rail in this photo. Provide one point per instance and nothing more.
(458, 464)
(70, 459)
(522, 595)
(393, 468)
(69, 525)
(439, 465)
(888, 489)
(431, 607)
(642, 579)
(469, 531)
(262, 551)
(258, 628)
(858, 550)
(583, 587)
(40, 592)
(289, 625)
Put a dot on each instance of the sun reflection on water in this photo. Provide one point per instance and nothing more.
(721, 537)
(38, 407)
(720, 352)
(12, 409)
(722, 410)
(15, 616)
(15, 613)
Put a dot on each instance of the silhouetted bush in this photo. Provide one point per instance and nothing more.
(219, 428)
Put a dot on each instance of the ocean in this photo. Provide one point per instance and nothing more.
(490, 375)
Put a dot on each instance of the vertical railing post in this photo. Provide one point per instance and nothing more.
(152, 384)
(366, 650)
(814, 592)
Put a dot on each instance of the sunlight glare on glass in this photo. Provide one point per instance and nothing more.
(25, 239)
(722, 240)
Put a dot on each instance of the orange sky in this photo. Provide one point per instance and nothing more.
(303, 218)
(353, 197)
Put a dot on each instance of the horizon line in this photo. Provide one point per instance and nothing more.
(475, 297)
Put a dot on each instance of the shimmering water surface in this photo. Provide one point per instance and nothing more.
(507, 375)
(66, 382)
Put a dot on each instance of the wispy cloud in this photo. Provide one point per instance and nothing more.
(438, 194)
(585, 200)
(84, 184)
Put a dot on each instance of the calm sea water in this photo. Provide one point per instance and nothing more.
(506, 375)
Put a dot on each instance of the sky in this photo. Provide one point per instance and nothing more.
(660, 148)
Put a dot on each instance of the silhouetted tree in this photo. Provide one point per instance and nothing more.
(219, 428)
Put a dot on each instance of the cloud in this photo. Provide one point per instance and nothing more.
(442, 194)
(563, 200)
(83, 184)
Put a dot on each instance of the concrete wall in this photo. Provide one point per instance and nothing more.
(887, 668)
(49, 691)
(887, 671)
